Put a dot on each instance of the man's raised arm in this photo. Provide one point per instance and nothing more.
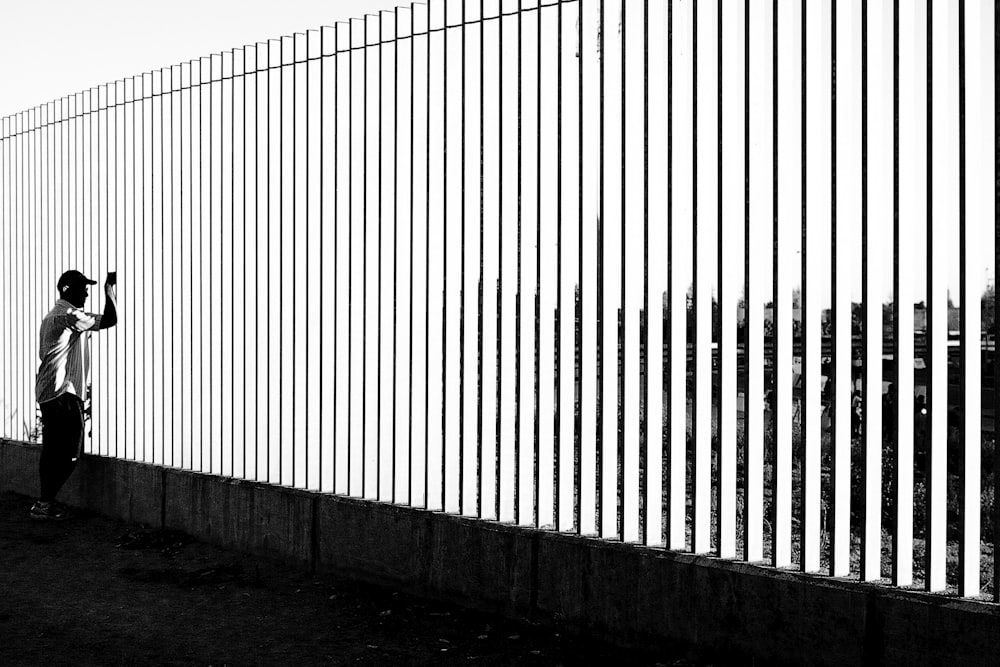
(110, 316)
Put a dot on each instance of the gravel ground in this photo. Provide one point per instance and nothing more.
(94, 591)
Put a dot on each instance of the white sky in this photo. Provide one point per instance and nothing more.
(55, 47)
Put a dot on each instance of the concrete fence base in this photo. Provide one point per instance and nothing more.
(625, 594)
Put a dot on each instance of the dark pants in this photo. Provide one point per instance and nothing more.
(62, 442)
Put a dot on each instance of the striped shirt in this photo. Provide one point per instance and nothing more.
(64, 351)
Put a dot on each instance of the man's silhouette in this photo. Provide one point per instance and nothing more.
(61, 383)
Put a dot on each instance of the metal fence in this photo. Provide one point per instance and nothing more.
(620, 268)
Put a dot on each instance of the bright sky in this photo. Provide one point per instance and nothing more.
(55, 47)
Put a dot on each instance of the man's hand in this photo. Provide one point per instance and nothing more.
(110, 317)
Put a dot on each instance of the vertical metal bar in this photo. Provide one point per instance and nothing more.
(167, 97)
(427, 268)
(295, 225)
(968, 430)
(181, 250)
(200, 237)
(131, 410)
(499, 288)
(728, 178)
(143, 384)
(378, 291)
(305, 472)
(105, 343)
(578, 305)
(16, 250)
(779, 542)
(409, 500)
(395, 238)
(109, 230)
(705, 212)
(815, 214)
(624, 354)
(239, 388)
(839, 551)
(319, 433)
(972, 187)
(6, 252)
(163, 277)
(941, 199)
(97, 239)
(380, 432)
(788, 212)
(634, 210)
(538, 265)
(754, 455)
(334, 436)
(444, 259)
(683, 269)
(224, 392)
(644, 320)
(489, 420)
(350, 252)
(699, 538)
(517, 312)
(32, 257)
(902, 318)
(92, 238)
(671, 512)
(842, 317)
(20, 343)
(246, 393)
(341, 418)
(10, 228)
(559, 338)
(655, 158)
(259, 48)
(933, 567)
(996, 296)
(461, 327)
(384, 430)
(479, 287)
(869, 514)
(16, 235)
(338, 424)
(22, 233)
(41, 215)
(336, 250)
(599, 336)
(271, 70)
(5, 238)
(243, 279)
(407, 301)
(25, 208)
(281, 251)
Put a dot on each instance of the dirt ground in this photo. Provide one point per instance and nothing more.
(94, 591)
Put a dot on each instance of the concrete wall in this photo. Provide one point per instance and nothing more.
(625, 594)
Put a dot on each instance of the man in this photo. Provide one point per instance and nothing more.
(61, 383)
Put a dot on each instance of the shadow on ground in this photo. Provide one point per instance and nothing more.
(93, 591)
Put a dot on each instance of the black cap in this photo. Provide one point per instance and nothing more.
(72, 278)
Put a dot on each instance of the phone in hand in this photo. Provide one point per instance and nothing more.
(112, 278)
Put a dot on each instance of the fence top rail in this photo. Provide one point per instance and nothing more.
(310, 45)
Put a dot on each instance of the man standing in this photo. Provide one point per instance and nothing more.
(61, 383)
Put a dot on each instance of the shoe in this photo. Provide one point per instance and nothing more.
(47, 511)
